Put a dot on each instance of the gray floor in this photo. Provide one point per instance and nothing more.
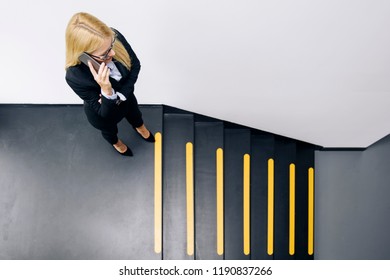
(66, 194)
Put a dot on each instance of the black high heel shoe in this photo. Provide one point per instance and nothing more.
(150, 139)
(128, 153)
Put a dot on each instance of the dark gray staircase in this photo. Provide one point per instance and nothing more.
(277, 233)
(227, 192)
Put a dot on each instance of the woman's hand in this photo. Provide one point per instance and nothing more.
(102, 77)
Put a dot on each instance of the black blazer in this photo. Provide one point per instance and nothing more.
(81, 80)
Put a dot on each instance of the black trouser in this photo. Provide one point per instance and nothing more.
(109, 129)
(110, 132)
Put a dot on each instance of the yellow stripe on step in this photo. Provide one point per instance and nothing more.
(292, 211)
(190, 197)
(270, 220)
(219, 183)
(246, 204)
(310, 248)
(158, 193)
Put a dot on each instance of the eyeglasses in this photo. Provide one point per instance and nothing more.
(105, 55)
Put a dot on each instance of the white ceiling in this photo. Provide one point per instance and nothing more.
(317, 71)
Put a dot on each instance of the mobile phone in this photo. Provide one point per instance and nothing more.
(84, 58)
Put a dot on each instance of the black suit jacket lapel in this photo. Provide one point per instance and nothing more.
(122, 69)
(124, 72)
(115, 84)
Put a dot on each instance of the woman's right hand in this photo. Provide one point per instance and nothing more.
(102, 77)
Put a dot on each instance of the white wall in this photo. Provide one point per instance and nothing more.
(317, 71)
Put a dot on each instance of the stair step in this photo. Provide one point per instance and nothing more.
(208, 138)
(178, 131)
(153, 119)
(285, 154)
(262, 149)
(237, 144)
(305, 161)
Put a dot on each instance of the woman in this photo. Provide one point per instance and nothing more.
(108, 92)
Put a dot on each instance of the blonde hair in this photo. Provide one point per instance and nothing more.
(86, 33)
